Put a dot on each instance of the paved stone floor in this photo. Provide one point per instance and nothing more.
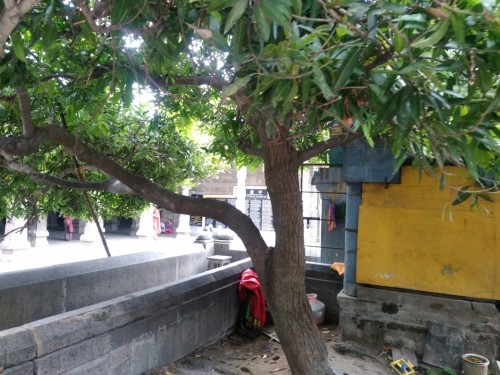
(60, 251)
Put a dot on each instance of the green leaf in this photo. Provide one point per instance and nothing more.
(18, 46)
(239, 38)
(216, 5)
(468, 151)
(48, 12)
(289, 100)
(262, 23)
(462, 196)
(264, 85)
(276, 10)
(49, 35)
(367, 133)
(219, 41)
(459, 27)
(235, 14)
(305, 89)
(347, 69)
(399, 42)
(232, 88)
(320, 80)
(121, 9)
(297, 6)
(281, 92)
(486, 197)
(435, 37)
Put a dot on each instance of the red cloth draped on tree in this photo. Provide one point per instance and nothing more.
(249, 290)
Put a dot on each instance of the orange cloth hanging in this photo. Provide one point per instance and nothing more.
(339, 267)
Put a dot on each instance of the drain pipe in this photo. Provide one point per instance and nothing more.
(353, 201)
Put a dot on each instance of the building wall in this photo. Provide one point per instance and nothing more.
(411, 237)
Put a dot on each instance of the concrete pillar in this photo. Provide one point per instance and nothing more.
(79, 225)
(184, 229)
(113, 224)
(144, 224)
(16, 239)
(91, 233)
(207, 240)
(353, 202)
(39, 233)
(241, 176)
(134, 226)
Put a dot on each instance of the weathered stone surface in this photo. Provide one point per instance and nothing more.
(380, 316)
(24, 369)
(132, 333)
(73, 356)
(17, 346)
(28, 302)
(444, 346)
(36, 294)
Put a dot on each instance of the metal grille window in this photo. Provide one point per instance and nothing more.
(323, 199)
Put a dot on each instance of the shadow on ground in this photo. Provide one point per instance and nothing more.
(235, 355)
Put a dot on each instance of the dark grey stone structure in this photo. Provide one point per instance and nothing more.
(138, 325)
(39, 293)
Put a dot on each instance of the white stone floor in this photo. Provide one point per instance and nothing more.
(60, 251)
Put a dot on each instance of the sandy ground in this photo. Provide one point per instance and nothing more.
(235, 355)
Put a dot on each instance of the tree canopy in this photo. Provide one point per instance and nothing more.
(424, 75)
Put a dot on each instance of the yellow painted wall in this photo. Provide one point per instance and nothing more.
(407, 240)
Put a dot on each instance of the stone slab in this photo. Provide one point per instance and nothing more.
(73, 356)
(17, 346)
(37, 294)
(444, 346)
(24, 369)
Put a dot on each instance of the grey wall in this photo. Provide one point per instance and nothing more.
(327, 284)
(129, 334)
(139, 330)
(439, 329)
(30, 295)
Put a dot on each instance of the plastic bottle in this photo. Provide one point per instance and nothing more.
(317, 307)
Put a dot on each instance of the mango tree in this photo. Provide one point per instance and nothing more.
(280, 81)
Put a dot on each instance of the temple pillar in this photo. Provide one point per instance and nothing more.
(184, 229)
(38, 235)
(91, 233)
(17, 237)
(144, 224)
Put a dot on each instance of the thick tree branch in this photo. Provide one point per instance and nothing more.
(220, 211)
(13, 12)
(248, 149)
(334, 141)
(110, 185)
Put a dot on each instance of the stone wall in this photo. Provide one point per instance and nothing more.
(35, 294)
(132, 333)
(439, 329)
(129, 334)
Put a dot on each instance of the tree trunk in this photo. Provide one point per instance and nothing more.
(284, 285)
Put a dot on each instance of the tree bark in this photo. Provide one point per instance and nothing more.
(285, 288)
